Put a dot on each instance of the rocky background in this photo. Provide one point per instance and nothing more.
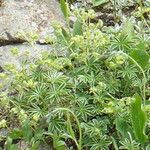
(20, 17)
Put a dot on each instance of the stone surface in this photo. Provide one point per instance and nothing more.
(22, 145)
(35, 51)
(3, 133)
(7, 57)
(28, 16)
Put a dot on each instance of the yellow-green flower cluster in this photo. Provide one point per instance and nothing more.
(4, 100)
(15, 51)
(99, 88)
(84, 15)
(3, 123)
(116, 59)
(91, 40)
(20, 113)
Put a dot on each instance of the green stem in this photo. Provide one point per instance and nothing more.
(114, 143)
(79, 145)
(111, 96)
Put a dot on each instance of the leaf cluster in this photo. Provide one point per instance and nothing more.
(85, 99)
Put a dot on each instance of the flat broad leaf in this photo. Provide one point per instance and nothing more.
(64, 8)
(77, 28)
(138, 118)
(141, 57)
(99, 2)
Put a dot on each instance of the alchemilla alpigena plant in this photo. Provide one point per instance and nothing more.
(93, 97)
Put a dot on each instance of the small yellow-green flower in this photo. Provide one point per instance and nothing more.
(10, 67)
(112, 65)
(4, 102)
(36, 117)
(30, 83)
(102, 85)
(14, 110)
(91, 14)
(3, 75)
(1, 85)
(22, 115)
(93, 90)
(120, 59)
(15, 51)
(3, 123)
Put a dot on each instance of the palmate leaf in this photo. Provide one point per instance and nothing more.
(138, 118)
(55, 125)
(99, 143)
(84, 110)
(141, 57)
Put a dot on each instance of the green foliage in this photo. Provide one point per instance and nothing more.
(77, 29)
(138, 118)
(81, 94)
(129, 144)
(9, 144)
(141, 56)
(64, 8)
(123, 127)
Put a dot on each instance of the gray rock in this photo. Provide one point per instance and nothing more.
(3, 133)
(45, 147)
(7, 57)
(22, 145)
(26, 52)
(34, 16)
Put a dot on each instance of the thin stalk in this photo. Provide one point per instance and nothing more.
(111, 96)
(79, 145)
(114, 143)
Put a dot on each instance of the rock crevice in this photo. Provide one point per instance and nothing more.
(22, 17)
